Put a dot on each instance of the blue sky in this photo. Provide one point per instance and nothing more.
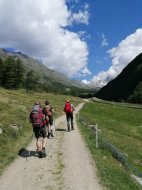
(112, 21)
(89, 40)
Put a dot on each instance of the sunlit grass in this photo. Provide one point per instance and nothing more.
(122, 127)
(15, 107)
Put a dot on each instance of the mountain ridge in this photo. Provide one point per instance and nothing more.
(127, 86)
(36, 65)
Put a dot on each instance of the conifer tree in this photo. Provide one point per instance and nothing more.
(19, 74)
(31, 81)
(9, 73)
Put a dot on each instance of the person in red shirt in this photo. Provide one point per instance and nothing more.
(68, 109)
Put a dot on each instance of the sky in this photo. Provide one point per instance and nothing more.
(88, 40)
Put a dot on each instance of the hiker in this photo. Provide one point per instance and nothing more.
(68, 109)
(38, 123)
(48, 112)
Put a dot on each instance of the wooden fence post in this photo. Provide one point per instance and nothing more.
(97, 138)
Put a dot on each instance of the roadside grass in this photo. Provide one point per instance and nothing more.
(122, 126)
(15, 107)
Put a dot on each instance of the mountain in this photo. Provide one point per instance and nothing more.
(47, 75)
(99, 83)
(127, 86)
(35, 65)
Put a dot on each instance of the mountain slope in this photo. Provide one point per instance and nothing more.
(42, 70)
(125, 84)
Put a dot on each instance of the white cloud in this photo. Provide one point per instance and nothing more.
(39, 29)
(70, 54)
(81, 17)
(104, 41)
(85, 71)
(126, 51)
(73, 1)
(85, 81)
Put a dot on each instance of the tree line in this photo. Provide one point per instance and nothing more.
(13, 75)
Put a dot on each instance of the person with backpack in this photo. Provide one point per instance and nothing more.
(68, 109)
(37, 119)
(48, 112)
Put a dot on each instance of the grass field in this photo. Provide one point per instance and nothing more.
(15, 107)
(122, 126)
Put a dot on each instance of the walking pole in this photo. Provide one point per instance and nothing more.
(54, 127)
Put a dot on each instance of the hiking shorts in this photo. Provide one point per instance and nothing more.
(50, 120)
(40, 132)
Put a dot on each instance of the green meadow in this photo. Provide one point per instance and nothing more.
(122, 127)
(15, 107)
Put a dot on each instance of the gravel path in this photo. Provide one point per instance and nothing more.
(68, 165)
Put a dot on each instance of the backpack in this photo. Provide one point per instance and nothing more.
(68, 108)
(48, 110)
(36, 116)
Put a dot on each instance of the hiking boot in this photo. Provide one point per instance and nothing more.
(43, 152)
(72, 128)
(68, 129)
(40, 154)
(51, 134)
(48, 135)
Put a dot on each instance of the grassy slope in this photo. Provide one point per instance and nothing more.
(123, 127)
(15, 107)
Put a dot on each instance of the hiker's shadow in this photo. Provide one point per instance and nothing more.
(59, 129)
(27, 153)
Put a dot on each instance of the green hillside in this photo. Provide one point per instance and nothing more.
(35, 76)
(127, 86)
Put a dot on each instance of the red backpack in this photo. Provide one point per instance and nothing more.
(68, 108)
(48, 110)
(37, 117)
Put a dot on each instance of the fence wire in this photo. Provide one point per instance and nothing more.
(103, 142)
(117, 154)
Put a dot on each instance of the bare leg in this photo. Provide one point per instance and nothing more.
(39, 143)
(44, 141)
(51, 128)
(43, 147)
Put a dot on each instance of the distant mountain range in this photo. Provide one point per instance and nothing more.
(100, 83)
(52, 76)
(127, 86)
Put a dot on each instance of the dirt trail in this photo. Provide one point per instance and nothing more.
(68, 165)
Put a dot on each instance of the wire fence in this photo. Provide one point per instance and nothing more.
(103, 143)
